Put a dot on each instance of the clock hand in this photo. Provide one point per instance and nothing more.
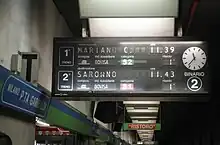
(194, 58)
(190, 62)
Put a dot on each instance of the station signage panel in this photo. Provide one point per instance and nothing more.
(141, 126)
(22, 96)
(129, 67)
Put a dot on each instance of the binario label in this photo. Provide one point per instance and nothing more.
(190, 74)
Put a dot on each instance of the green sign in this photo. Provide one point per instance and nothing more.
(141, 126)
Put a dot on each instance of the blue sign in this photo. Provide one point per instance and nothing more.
(23, 96)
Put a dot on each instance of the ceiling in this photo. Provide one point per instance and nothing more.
(143, 112)
(181, 123)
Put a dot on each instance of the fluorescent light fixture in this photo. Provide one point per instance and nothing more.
(148, 139)
(41, 123)
(145, 131)
(141, 102)
(146, 136)
(143, 117)
(128, 8)
(140, 133)
(131, 27)
(129, 108)
(142, 111)
(139, 142)
(152, 108)
(149, 121)
(161, 42)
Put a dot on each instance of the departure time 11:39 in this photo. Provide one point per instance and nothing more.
(157, 49)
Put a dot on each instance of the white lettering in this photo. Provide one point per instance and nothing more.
(35, 102)
(65, 86)
(107, 56)
(100, 86)
(13, 89)
(32, 101)
(105, 50)
(200, 74)
(66, 62)
(107, 81)
(135, 49)
(127, 56)
(125, 49)
(21, 95)
(96, 74)
(167, 56)
(10, 87)
(25, 97)
(101, 62)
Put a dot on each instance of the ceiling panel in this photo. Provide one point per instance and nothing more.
(143, 117)
(144, 121)
(146, 110)
(143, 112)
(142, 105)
(128, 8)
(124, 27)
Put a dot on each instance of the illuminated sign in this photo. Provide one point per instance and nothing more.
(141, 126)
(129, 67)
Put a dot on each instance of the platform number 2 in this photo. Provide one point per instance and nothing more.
(65, 82)
(194, 84)
(65, 77)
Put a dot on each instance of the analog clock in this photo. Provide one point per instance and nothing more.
(194, 58)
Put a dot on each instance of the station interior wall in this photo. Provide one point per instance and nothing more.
(20, 132)
(30, 26)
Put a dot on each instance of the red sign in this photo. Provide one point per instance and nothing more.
(51, 131)
(140, 126)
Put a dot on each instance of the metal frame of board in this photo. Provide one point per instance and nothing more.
(106, 96)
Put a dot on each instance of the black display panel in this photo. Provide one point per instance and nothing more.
(129, 67)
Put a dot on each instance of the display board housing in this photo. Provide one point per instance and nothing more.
(129, 67)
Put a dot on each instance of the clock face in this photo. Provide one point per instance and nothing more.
(194, 58)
